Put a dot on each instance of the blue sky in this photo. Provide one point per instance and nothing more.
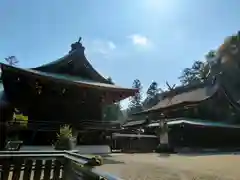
(125, 39)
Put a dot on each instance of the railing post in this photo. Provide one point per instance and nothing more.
(67, 170)
(2, 136)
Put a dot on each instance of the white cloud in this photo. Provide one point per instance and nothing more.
(103, 47)
(138, 39)
(111, 45)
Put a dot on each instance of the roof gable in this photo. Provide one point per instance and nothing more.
(189, 94)
(74, 63)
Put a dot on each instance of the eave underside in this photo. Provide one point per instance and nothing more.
(73, 81)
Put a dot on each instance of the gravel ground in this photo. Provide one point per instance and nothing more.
(173, 167)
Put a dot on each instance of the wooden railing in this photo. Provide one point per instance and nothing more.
(48, 165)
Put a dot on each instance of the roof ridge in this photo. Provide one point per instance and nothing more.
(184, 89)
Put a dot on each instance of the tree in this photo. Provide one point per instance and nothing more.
(135, 104)
(152, 90)
(198, 73)
(12, 60)
(152, 95)
(211, 54)
(187, 76)
(113, 111)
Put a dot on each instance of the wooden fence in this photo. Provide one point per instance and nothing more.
(48, 165)
(134, 142)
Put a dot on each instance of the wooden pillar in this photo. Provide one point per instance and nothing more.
(2, 134)
(5, 116)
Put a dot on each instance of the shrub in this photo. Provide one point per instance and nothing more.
(95, 161)
(64, 138)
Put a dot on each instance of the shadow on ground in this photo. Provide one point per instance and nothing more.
(105, 155)
(111, 161)
(164, 155)
(207, 153)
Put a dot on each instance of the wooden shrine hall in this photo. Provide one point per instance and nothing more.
(194, 114)
(66, 91)
(210, 100)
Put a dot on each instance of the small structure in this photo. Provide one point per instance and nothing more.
(134, 142)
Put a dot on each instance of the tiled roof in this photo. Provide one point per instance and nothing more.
(190, 94)
(194, 95)
(78, 63)
(134, 123)
(71, 79)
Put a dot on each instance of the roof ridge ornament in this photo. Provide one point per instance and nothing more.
(77, 45)
(79, 39)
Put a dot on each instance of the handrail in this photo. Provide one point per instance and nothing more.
(70, 156)
(38, 152)
(31, 155)
(74, 154)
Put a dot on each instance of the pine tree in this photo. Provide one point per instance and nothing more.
(12, 60)
(112, 112)
(152, 95)
(135, 104)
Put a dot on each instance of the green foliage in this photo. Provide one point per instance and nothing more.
(135, 104)
(196, 74)
(152, 96)
(112, 112)
(95, 161)
(12, 60)
(224, 61)
(21, 119)
(64, 138)
(86, 171)
(65, 132)
(210, 54)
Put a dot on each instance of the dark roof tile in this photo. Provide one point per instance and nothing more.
(134, 123)
(190, 95)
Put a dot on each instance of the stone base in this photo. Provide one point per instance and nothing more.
(164, 148)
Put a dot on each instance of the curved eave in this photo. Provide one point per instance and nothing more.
(188, 98)
(126, 92)
(78, 59)
(165, 109)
